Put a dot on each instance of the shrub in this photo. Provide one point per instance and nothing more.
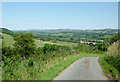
(30, 62)
(7, 52)
(114, 60)
(24, 44)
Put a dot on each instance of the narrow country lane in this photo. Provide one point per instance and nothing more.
(86, 68)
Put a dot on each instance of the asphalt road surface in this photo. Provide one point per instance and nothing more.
(86, 68)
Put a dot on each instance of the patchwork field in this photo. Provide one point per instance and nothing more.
(9, 41)
(41, 43)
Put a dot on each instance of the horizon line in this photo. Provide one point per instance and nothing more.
(57, 29)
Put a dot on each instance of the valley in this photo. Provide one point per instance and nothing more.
(43, 56)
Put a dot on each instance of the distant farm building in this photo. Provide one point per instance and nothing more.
(89, 43)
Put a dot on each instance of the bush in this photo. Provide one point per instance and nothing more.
(107, 42)
(114, 60)
(86, 48)
(112, 55)
(114, 38)
(7, 52)
(30, 62)
(24, 44)
(15, 66)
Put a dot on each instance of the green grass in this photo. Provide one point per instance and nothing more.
(41, 43)
(54, 67)
(8, 40)
(43, 71)
(70, 44)
(57, 68)
(110, 71)
(111, 66)
(61, 64)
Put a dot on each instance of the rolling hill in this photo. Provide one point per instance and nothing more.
(8, 40)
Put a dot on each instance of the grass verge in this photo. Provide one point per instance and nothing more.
(42, 70)
(111, 72)
(63, 63)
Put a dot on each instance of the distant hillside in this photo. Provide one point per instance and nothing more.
(6, 31)
(106, 31)
(7, 40)
(47, 30)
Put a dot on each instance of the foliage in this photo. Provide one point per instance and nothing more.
(6, 31)
(114, 49)
(47, 61)
(112, 55)
(7, 51)
(111, 72)
(35, 68)
(24, 44)
(114, 38)
(75, 36)
(103, 46)
(34, 64)
(86, 48)
(114, 60)
(108, 41)
(30, 62)
(14, 64)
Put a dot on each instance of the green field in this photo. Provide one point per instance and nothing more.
(50, 60)
(41, 43)
(9, 41)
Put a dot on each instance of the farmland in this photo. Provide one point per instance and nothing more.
(41, 56)
(9, 41)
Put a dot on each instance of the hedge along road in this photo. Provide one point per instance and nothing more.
(86, 68)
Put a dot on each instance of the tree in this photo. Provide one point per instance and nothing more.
(24, 44)
(103, 46)
(114, 38)
(46, 48)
